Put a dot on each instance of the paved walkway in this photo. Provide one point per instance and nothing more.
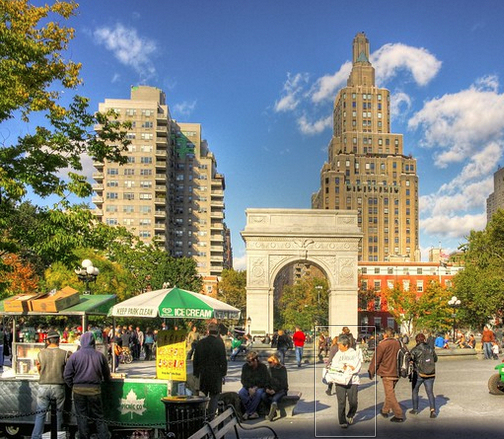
(466, 409)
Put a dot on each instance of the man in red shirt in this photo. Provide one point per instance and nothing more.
(299, 340)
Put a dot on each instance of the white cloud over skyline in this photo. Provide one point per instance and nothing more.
(129, 48)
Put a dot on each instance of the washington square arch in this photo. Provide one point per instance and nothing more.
(276, 238)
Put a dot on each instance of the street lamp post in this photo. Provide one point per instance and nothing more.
(249, 322)
(87, 273)
(454, 303)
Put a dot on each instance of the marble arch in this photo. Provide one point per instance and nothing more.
(275, 238)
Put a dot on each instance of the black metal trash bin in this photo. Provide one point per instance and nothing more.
(185, 415)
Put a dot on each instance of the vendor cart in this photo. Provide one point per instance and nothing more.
(133, 404)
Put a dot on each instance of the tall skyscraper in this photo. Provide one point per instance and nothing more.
(366, 168)
(495, 200)
(170, 189)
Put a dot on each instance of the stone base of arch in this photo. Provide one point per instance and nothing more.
(275, 238)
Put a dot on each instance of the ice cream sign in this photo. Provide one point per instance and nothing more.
(187, 312)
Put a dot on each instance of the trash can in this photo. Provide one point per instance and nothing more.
(185, 415)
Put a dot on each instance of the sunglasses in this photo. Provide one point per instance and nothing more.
(251, 360)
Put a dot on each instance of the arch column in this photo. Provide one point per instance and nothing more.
(275, 238)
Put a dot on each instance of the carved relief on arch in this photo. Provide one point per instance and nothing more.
(346, 271)
(257, 269)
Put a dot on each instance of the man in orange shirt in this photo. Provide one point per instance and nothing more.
(487, 338)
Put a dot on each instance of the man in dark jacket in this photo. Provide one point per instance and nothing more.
(84, 373)
(384, 364)
(210, 366)
(254, 379)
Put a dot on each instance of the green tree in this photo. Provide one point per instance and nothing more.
(150, 267)
(433, 311)
(480, 286)
(32, 68)
(403, 306)
(233, 289)
(305, 303)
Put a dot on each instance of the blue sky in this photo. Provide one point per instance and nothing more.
(261, 77)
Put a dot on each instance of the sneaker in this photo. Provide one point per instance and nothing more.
(413, 412)
(253, 415)
(343, 425)
(350, 421)
(385, 415)
(433, 414)
(396, 419)
(272, 412)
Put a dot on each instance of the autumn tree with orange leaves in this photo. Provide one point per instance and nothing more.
(18, 277)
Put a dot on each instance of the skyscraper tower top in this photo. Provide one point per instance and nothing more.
(363, 73)
(366, 168)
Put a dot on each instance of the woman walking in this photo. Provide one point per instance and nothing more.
(347, 359)
(424, 372)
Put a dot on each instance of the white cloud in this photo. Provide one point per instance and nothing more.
(291, 92)
(400, 104)
(327, 86)
(185, 108)
(129, 48)
(240, 262)
(387, 61)
(316, 127)
(453, 226)
(391, 58)
(454, 122)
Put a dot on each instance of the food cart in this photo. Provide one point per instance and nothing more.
(133, 404)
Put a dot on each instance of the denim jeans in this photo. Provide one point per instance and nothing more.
(250, 402)
(299, 355)
(46, 394)
(487, 350)
(281, 355)
(342, 393)
(429, 389)
(89, 408)
(277, 396)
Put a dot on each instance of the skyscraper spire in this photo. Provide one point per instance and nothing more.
(363, 72)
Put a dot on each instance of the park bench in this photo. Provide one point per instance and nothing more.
(288, 403)
(227, 422)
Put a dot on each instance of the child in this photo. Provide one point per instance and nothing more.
(495, 350)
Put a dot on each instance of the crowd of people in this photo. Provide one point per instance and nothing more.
(262, 384)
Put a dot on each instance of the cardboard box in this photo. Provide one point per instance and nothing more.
(19, 303)
(56, 302)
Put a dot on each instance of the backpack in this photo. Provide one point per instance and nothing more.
(404, 364)
(426, 362)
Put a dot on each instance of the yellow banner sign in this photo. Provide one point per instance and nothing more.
(171, 356)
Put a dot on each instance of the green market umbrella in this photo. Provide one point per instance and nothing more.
(174, 303)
